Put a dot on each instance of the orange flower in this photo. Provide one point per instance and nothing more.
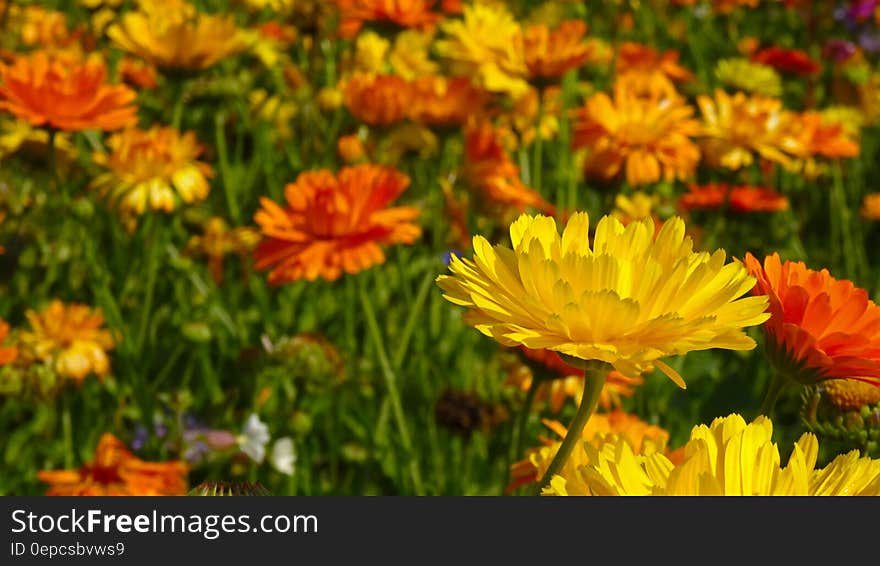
(737, 199)
(116, 471)
(551, 54)
(334, 223)
(70, 337)
(490, 170)
(563, 381)
(783, 60)
(637, 58)
(65, 94)
(441, 101)
(350, 148)
(821, 327)
(138, 73)
(814, 136)
(8, 354)
(404, 13)
(378, 100)
(647, 137)
(47, 29)
(871, 206)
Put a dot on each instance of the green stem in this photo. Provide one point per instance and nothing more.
(67, 432)
(152, 244)
(413, 319)
(522, 422)
(777, 384)
(539, 145)
(391, 386)
(595, 374)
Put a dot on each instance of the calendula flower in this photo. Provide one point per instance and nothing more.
(217, 241)
(269, 42)
(602, 428)
(351, 148)
(817, 136)
(70, 337)
(646, 137)
(850, 394)
(138, 73)
(850, 119)
(628, 300)
(643, 59)
(792, 61)
(736, 127)
(370, 52)
(749, 76)
(64, 93)
(442, 101)
(116, 471)
(377, 100)
(410, 57)
(8, 354)
(524, 115)
(820, 327)
(19, 135)
(551, 53)
(172, 34)
(47, 29)
(871, 206)
(729, 457)
(486, 44)
(403, 13)
(737, 199)
(490, 170)
(334, 223)
(154, 169)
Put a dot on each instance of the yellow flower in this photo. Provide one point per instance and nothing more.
(488, 45)
(152, 169)
(736, 126)
(729, 457)
(628, 300)
(217, 241)
(70, 337)
(410, 56)
(276, 111)
(173, 34)
(851, 119)
(16, 135)
(742, 74)
(371, 51)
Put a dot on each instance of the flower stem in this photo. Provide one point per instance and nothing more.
(777, 384)
(595, 374)
(391, 386)
(519, 432)
(152, 244)
(67, 431)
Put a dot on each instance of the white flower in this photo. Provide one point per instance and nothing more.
(283, 457)
(254, 437)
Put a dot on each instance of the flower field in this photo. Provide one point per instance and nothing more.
(439, 247)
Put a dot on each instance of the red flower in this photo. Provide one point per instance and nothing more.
(792, 61)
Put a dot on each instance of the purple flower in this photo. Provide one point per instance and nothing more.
(862, 10)
(870, 41)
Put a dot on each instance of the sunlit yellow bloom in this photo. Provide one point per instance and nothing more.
(173, 34)
(410, 57)
(370, 52)
(745, 75)
(637, 206)
(627, 300)
(737, 126)
(488, 45)
(277, 6)
(550, 53)
(729, 457)
(70, 337)
(851, 119)
(18, 135)
(643, 438)
(155, 169)
(276, 111)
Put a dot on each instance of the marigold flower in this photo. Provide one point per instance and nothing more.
(70, 337)
(442, 101)
(410, 56)
(370, 52)
(8, 354)
(646, 137)
(490, 170)
(47, 29)
(850, 394)
(729, 457)
(63, 93)
(601, 428)
(378, 100)
(116, 471)
(551, 53)
(736, 126)
(334, 223)
(792, 61)
(628, 300)
(351, 148)
(749, 76)
(737, 199)
(821, 327)
(155, 169)
(217, 241)
(871, 206)
(486, 44)
(138, 73)
(637, 58)
(403, 13)
(172, 34)
(817, 136)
